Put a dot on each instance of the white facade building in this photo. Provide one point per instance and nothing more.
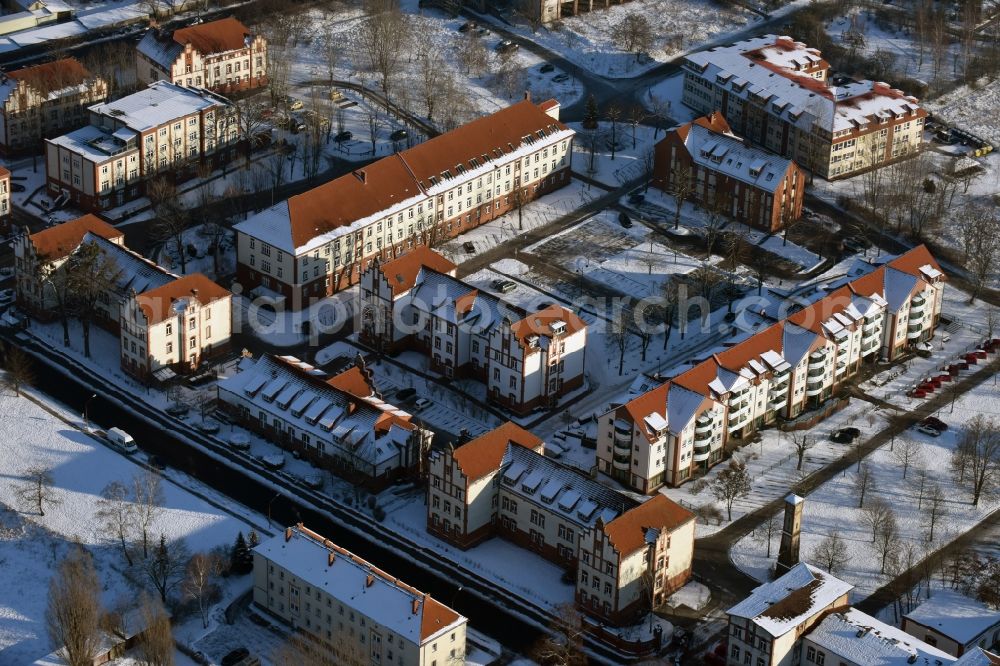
(357, 613)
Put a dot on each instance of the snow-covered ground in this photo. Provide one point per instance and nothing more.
(971, 108)
(81, 467)
(632, 159)
(665, 97)
(588, 39)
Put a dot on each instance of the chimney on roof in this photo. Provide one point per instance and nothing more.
(369, 580)
(416, 606)
(360, 175)
(527, 95)
(288, 534)
(330, 557)
(194, 292)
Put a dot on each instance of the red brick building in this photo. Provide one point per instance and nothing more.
(748, 184)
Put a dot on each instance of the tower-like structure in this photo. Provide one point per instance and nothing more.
(788, 552)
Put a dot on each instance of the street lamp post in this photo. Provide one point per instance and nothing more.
(86, 411)
(276, 496)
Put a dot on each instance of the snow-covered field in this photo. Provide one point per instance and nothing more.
(632, 158)
(588, 41)
(971, 108)
(81, 467)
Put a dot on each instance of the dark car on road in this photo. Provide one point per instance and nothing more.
(343, 136)
(405, 393)
(624, 220)
(936, 423)
(845, 435)
(399, 135)
(546, 68)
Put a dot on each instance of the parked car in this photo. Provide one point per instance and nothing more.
(469, 247)
(274, 460)
(343, 136)
(405, 393)
(560, 78)
(157, 462)
(121, 440)
(927, 430)
(399, 135)
(842, 436)
(636, 198)
(546, 68)
(17, 187)
(504, 286)
(936, 423)
(506, 46)
(294, 104)
(624, 220)
(467, 26)
(207, 427)
(482, 32)
(178, 409)
(420, 403)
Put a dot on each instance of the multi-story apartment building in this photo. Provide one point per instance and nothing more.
(748, 184)
(627, 555)
(4, 193)
(154, 131)
(852, 638)
(790, 366)
(774, 91)
(765, 628)
(321, 241)
(165, 323)
(527, 360)
(340, 422)
(357, 613)
(45, 100)
(223, 56)
(954, 622)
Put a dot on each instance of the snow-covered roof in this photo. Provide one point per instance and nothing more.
(160, 48)
(952, 614)
(397, 607)
(563, 490)
(134, 271)
(300, 395)
(94, 143)
(865, 641)
(978, 657)
(785, 603)
(729, 155)
(159, 104)
(756, 68)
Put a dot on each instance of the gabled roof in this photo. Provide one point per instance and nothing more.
(866, 641)
(785, 603)
(220, 36)
(540, 323)
(955, 615)
(398, 607)
(163, 302)
(61, 240)
(482, 455)
(401, 272)
(978, 657)
(352, 380)
(52, 76)
(629, 531)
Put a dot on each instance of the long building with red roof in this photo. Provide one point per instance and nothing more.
(321, 241)
(223, 56)
(775, 92)
(666, 435)
(528, 360)
(502, 484)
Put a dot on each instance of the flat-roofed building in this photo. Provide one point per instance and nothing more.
(357, 613)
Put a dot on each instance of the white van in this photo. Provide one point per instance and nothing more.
(122, 440)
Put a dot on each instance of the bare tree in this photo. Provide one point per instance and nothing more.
(92, 274)
(831, 553)
(74, 611)
(562, 644)
(730, 484)
(660, 109)
(156, 646)
(165, 566)
(432, 72)
(330, 47)
(510, 77)
(37, 488)
(374, 125)
(614, 115)
(472, 55)
(802, 444)
(618, 332)
(633, 34)
(767, 530)
(682, 184)
(382, 38)
(18, 368)
(992, 321)
(980, 233)
(874, 514)
(55, 281)
(172, 219)
(116, 516)
(203, 570)
(250, 112)
(887, 537)
(636, 115)
(519, 198)
(864, 482)
(935, 509)
(301, 650)
(976, 459)
(148, 494)
(907, 454)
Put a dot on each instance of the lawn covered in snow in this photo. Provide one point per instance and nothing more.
(81, 466)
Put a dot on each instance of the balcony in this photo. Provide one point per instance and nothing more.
(842, 351)
(617, 464)
(914, 331)
(738, 412)
(814, 388)
(869, 326)
(623, 427)
(869, 347)
(816, 372)
(779, 390)
(623, 447)
(743, 420)
(817, 360)
(701, 454)
(778, 402)
(737, 396)
(841, 369)
(703, 425)
(702, 436)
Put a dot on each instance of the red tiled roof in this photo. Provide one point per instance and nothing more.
(4, 173)
(699, 377)
(502, 131)
(737, 356)
(627, 532)
(157, 304)
(52, 76)
(872, 283)
(352, 381)
(61, 240)
(349, 198)
(482, 455)
(539, 323)
(402, 271)
(641, 406)
(912, 261)
(812, 316)
(226, 34)
(436, 616)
